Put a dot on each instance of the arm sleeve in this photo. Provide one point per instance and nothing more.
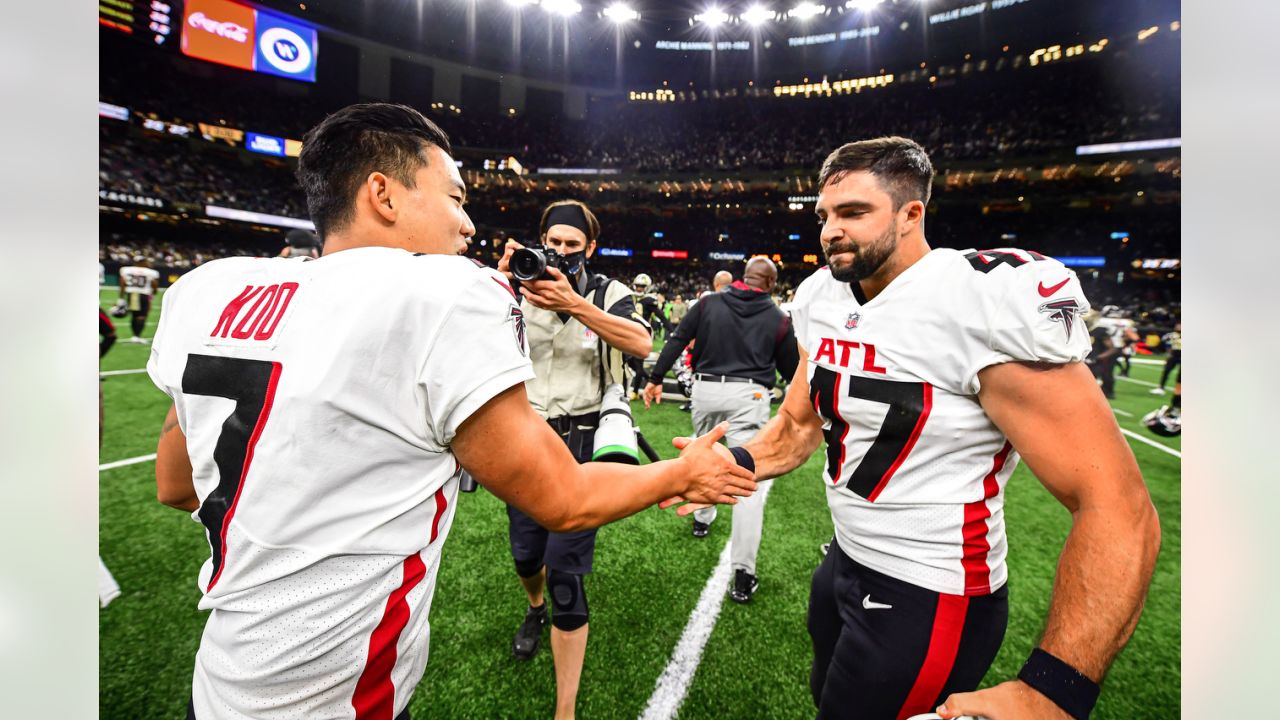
(480, 350)
(1028, 325)
(676, 343)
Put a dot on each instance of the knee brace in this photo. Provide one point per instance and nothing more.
(528, 568)
(568, 600)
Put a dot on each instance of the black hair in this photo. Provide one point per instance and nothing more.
(339, 153)
(899, 163)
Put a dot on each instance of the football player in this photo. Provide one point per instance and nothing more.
(1173, 340)
(1102, 362)
(138, 283)
(323, 410)
(929, 373)
(649, 303)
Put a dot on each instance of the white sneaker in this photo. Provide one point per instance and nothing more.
(1157, 391)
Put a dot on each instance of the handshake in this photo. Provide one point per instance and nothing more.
(713, 473)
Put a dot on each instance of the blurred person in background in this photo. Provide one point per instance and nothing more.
(138, 284)
(108, 588)
(1102, 359)
(741, 342)
(301, 243)
(678, 310)
(1174, 342)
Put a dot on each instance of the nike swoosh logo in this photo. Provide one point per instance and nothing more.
(1047, 291)
(870, 604)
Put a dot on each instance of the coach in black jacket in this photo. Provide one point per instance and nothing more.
(741, 339)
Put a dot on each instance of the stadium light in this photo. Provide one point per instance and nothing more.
(564, 8)
(520, 3)
(805, 10)
(621, 13)
(757, 15)
(863, 5)
(712, 17)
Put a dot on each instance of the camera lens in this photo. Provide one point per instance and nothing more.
(528, 264)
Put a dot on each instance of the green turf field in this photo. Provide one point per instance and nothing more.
(649, 576)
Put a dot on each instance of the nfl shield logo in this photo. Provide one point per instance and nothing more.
(852, 322)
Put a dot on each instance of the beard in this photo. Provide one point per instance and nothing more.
(867, 260)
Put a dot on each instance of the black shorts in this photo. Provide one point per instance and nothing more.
(888, 663)
(568, 552)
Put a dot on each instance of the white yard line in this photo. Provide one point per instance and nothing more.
(673, 684)
(1136, 382)
(1152, 443)
(133, 371)
(1124, 413)
(127, 461)
(1144, 361)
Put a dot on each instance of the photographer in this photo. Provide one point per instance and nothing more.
(579, 326)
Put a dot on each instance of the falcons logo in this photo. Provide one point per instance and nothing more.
(852, 321)
(1063, 311)
(516, 316)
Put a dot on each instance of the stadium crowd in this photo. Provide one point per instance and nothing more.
(1004, 113)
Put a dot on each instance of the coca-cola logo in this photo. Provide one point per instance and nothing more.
(228, 30)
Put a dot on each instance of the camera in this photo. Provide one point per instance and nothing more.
(529, 264)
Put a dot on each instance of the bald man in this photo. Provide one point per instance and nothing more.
(743, 341)
(724, 279)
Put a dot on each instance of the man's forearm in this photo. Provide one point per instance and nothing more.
(608, 491)
(628, 336)
(1101, 585)
(670, 351)
(783, 445)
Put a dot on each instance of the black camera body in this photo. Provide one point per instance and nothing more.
(529, 264)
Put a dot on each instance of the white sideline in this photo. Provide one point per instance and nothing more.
(1152, 443)
(126, 461)
(673, 683)
(1136, 382)
(133, 371)
(1118, 411)
(1144, 361)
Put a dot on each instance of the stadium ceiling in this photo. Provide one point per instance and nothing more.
(637, 43)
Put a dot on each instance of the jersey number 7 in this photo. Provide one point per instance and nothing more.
(252, 385)
(909, 405)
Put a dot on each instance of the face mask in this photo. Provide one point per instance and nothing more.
(573, 263)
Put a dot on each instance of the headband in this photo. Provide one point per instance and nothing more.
(571, 215)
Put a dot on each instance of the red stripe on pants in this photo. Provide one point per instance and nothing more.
(944, 644)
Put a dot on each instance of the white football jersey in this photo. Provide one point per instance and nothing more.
(138, 279)
(915, 470)
(1118, 330)
(319, 399)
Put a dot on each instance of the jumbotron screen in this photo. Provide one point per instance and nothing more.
(220, 31)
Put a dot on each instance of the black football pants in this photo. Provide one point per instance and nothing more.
(884, 649)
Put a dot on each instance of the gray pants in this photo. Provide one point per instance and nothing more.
(746, 407)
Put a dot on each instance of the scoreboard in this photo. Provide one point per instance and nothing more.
(220, 31)
(148, 20)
